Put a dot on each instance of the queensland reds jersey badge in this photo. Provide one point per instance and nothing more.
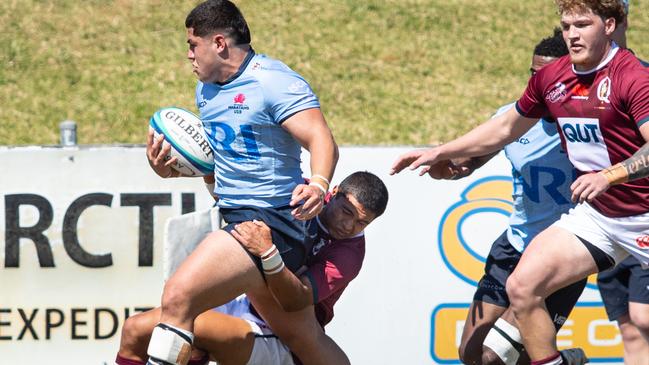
(557, 93)
(642, 241)
(604, 90)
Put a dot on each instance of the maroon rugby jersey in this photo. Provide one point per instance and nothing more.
(598, 114)
(332, 265)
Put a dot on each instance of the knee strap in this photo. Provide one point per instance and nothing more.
(505, 341)
(170, 345)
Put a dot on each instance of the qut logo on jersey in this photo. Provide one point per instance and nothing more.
(581, 132)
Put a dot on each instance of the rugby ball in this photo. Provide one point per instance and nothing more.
(183, 130)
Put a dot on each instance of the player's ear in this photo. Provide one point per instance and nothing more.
(334, 191)
(218, 39)
(609, 25)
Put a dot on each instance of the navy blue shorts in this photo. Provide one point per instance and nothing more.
(292, 237)
(624, 283)
(501, 262)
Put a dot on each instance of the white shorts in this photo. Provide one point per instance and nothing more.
(617, 237)
(268, 349)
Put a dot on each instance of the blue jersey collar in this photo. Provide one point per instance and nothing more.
(244, 64)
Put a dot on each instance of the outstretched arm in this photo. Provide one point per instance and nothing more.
(587, 187)
(485, 139)
(310, 129)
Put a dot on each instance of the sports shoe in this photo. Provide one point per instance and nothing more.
(575, 356)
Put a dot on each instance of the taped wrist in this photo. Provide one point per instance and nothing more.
(170, 345)
(271, 261)
(616, 174)
(505, 341)
(320, 181)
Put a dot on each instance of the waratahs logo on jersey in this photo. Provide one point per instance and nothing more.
(239, 99)
(238, 107)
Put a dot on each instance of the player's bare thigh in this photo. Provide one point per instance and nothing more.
(229, 340)
(299, 330)
(554, 259)
(215, 273)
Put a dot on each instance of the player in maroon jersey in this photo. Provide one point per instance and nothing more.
(599, 97)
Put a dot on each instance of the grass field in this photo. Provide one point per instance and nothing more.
(387, 72)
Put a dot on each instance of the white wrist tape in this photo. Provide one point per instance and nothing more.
(317, 176)
(315, 183)
(271, 261)
(504, 340)
(170, 344)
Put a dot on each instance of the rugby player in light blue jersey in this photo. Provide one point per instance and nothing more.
(257, 114)
(542, 175)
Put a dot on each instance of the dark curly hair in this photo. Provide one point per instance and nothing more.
(219, 15)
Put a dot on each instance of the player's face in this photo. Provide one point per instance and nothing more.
(587, 36)
(203, 55)
(538, 62)
(345, 217)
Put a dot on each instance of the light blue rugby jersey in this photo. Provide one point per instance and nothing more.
(542, 175)
(257, 162)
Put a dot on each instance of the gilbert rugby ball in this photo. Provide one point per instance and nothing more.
(184, 132)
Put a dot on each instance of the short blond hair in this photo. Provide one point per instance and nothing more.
(604, 8)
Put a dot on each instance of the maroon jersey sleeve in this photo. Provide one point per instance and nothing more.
(532, 104)
(637, 97)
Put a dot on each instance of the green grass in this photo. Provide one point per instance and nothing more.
(387, 72)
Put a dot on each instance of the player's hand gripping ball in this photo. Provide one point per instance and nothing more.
(184, 132)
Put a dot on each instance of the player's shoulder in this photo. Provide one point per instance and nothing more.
(627, 60)
(267, 68)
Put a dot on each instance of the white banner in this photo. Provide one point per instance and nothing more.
(81, 250)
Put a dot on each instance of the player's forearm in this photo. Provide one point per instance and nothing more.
(633, 168)
(289, 291)
(323, 152)
(485, 139)
(488, 137)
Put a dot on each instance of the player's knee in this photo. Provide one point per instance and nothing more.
(519, 292)
(135, 336)
(640, 319)
(176, 300)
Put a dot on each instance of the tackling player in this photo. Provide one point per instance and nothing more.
(599, 96)
(257, 115)
(336, 260)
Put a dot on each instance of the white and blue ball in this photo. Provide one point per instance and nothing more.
(183, 130)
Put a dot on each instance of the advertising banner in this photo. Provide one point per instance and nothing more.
(81, 250)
